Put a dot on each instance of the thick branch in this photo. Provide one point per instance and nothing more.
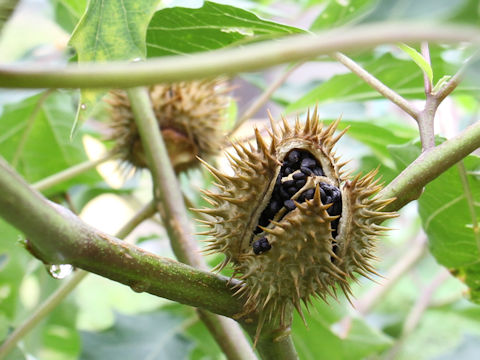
(408, 185)
(56, 236)
(67, 286)
(229, 61)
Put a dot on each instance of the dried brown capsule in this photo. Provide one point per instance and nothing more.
(290, 222)
(190, 115)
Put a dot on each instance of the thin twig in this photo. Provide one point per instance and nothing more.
(29, 126)
(71, 172)
(263, 98)
(229, 61)
(67, 287)
(371, 80)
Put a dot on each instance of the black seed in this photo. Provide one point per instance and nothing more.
(275, 206)
(287, 171)
(335, 209)
(279, 179)
(260, 246)
(323, 197)
(309, 163)
(289, 204)
(283, 193)
(308, 194)
(288, 183)
(299, 176)
(305, 154)
(300, 183)
(318, 171)
(292, 190)
(306, 170)
(293, 157)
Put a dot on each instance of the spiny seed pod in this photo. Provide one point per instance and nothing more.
(290, 221)
(189, 114)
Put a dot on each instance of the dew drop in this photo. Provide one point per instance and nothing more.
(140, 286)
(60, 271)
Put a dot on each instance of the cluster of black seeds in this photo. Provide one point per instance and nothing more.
(300, 164)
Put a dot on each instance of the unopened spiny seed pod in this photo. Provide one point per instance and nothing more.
(290, 221)
(190, 115)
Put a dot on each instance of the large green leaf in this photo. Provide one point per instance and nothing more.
(403, 76)
(68, 12)
(146, 336)
(446, 218)
(47, 148)
(110, 30)
(181, 30)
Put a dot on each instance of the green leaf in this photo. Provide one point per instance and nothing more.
(146, 336)
(419, 60)
(68, 12)
(184, 30)
(446, 219)
(109, 30)
(339, 13)
(47, 148)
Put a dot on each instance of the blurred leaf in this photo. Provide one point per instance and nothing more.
(427, 10)
(403, 76)
(339, 13)
(419, 60)
(146, 336)
(109, 30)
(12, 269)
(48, 148)
(317, 341)
(56, 337)
(184, 30)
(68, 12)
(440, 332)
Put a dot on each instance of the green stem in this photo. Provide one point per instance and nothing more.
(174, 215)
(67, 287)
(56, 236)
(430, 164)
(166, 187)
(230, 61)
(71, 172)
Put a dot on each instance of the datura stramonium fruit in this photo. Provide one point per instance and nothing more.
(290, 220)
(190, 115)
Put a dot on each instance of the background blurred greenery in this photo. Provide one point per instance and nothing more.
(102, 319)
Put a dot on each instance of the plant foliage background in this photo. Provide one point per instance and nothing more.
(102, 319)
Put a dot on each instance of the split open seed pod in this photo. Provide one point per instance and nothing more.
(290, 220)
(191, 117)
